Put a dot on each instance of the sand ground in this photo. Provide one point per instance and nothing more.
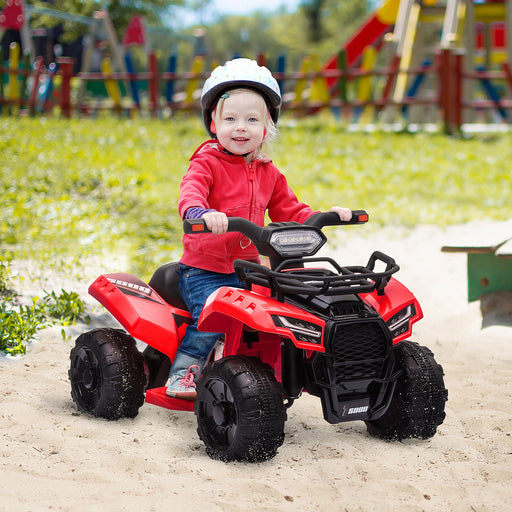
(54, 458)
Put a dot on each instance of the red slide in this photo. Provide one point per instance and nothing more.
(376, 25)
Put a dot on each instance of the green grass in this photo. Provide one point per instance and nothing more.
(74, 188)
(87, 187)
(403, 179)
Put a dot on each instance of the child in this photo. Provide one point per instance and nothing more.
(229, 176)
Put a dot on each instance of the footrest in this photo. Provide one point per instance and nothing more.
(157, 396)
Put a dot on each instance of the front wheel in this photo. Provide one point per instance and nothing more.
(240, 410)
(107, 374)
(417, 405)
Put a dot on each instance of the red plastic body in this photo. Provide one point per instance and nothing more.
(396, 298)
(141, 311)
(228, 310)
(158, 397)
(148, 318)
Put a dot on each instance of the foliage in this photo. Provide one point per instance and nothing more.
(313, 12)
(337, 22)
(226, 38)
(19, 323)
(315, 27)
(67, 307)
(5, 279)
(120, 12)
(283, 33)
(18, 326)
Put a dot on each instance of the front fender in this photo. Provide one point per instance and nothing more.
(396, 298)
(228, 309)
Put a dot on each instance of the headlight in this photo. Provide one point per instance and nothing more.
(399, 322)
(302, 330)
(296, 242)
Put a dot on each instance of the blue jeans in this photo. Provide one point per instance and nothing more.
(196, 285)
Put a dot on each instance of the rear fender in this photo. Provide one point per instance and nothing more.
(396, 299)
(228, 310)
(141, 311)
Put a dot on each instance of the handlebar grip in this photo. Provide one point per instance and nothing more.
(332, 219)
(193, 226)
(235, 224)
(359, 217)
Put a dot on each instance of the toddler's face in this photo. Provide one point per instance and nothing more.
(241, 123)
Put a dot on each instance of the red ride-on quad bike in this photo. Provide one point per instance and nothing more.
(304, 324)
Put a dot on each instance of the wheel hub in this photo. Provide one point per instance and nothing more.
(87, 369)
(89, 378)
(222, 412)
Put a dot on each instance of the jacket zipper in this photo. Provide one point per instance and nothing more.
(251, 191)
(250, 168)
(251, 173)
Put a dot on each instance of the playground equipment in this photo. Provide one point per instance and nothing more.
(411, 61)
(422, 41)
(489, 261)
(13, 17)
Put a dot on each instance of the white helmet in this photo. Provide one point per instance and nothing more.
(240, 73)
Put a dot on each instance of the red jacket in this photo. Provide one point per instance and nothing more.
(226, 183)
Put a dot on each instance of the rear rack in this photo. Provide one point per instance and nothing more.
(286, 279)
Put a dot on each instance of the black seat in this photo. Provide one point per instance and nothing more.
(165, 283)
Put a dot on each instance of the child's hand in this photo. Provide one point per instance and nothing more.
(216, 222)
(345, 214)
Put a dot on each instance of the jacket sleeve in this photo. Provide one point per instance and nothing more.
(284, 205)
(195, 186)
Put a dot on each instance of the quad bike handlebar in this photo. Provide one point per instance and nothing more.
(255, 232)
(289, 243)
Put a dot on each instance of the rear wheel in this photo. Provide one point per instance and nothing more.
(240, 410)
(107, 374)
(417, 405)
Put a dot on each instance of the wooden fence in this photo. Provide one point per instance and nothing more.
(32, 90)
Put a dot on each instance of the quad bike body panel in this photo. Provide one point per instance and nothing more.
(147, 317)
(229, 309)
(141, 311)
(389, 305)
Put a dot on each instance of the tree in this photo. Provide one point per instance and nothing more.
(284, 32)
(327, 18)
(340, 19)
(313, 12)
(120, 12)
(272, 34)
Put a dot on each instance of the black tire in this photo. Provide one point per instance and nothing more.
(240, 410)
(107, 374)
(417, 405)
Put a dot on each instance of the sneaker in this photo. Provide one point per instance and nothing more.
(184, 387)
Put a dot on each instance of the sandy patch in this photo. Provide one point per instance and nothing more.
(54, 458)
